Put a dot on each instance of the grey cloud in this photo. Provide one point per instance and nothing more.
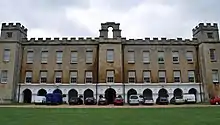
(44, 14)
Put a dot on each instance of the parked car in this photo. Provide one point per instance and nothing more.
(75, 101)
(141, 99)
(134, 100)
(39, 100)
(90, 101)
(148, 101)
(189, 98)
(119, 101)
(215, 100)
(162, 101)
(54, 99)
(179, 100)
(102, 101)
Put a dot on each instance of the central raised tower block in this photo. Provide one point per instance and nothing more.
(104, 29)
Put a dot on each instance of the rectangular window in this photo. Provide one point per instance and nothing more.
(212, 54)
(4, 76)
(43, 77)
(89, 56)
(6, 56)
(215, 76)
(210, 35)
(59, 56)
(28, 77)
(177, 77)
(30, 56)
(189, 56)
(44, 56)
(131, 56)
(88, 78)
(162, 76)
(191, 76)
(175, 55)
(146, 57)
(160, 57)
(74, 57)
(58, 76)
(131, 77)
(73, 77)
(110, 55)
(146, 76)
(110, 77)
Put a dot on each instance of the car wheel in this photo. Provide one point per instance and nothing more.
(216, 103)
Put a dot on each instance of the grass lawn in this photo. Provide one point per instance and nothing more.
(102, 116)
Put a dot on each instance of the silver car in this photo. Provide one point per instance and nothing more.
(134, 100)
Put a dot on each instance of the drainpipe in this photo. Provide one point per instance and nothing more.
(123, 77)
(198, 73)
(97, 72)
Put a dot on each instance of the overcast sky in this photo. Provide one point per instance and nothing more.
(138, 18)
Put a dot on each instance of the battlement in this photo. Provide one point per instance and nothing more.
(64, 40)
(206, 26)
(12, 26)
(163, 41)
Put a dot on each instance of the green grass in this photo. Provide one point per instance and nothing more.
(101, 116)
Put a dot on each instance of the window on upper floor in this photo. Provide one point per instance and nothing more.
(30, 56)
(161, 57)
(109, 76)
(215, 77)
(212, 54)
(6, 55)
(28, 77)
(191, 76)
(89, 56)
(74, 57)
(59, 57)
(162, 76)
(175, 55)
(146, 57)
(8, 35)
(58, 77)
(73, 77)
(110, 55)
(88, 78)
(43, 76)
(131, 77)
(189, 56)
(4, 76)
(44, 56)
(146, 76)
(131, 56)
(176, 76)
(210, 35)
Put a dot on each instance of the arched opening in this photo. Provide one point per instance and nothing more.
(88, 93)
(147, 93)
(110, 32)
(163, 93)
(72, 93)
(42, 92)
(177, 92)
(58, 91)
(110, 95)
(27, 96)
(131, 92)
(193, 91)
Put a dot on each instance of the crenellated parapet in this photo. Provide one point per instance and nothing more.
(162, 41)
(13, 26)
(64, 40)
(205, 26)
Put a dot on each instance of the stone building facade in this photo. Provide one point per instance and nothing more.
(108, 66)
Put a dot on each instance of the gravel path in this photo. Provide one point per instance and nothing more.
(108, 106)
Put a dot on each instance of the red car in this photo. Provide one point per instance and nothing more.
(215, 100)
(119, 101)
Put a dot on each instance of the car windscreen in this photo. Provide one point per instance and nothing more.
(133, 97)
(179, 97)
(148, 98)
(118, 98)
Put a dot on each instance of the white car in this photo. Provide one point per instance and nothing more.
(189, 98)
(179, 100)
(134, 100)
(39, 100)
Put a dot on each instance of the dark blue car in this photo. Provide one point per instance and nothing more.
(54, 98)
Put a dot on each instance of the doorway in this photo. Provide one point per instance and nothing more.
(110, 95)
